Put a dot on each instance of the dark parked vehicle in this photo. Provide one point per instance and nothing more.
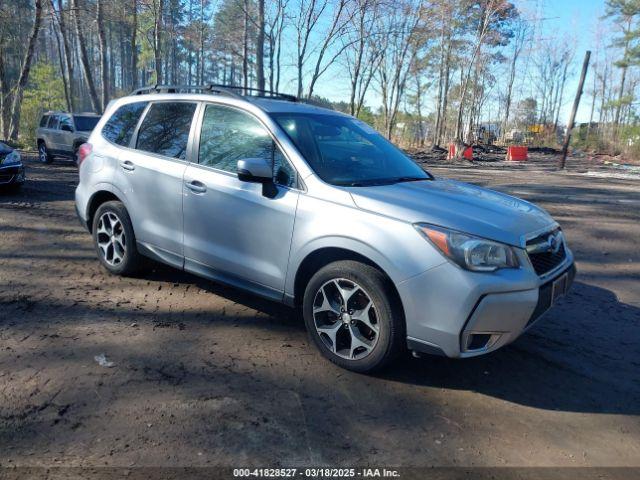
(11, 168)
(60, 134)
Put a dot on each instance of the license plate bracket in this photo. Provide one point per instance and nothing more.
(559, 288)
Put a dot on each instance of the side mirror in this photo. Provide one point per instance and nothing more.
(255, 170)
(66, 128)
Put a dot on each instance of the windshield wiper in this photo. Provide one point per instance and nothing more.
(382, 181)
(409, 179)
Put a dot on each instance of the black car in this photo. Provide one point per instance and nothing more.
(11, 168)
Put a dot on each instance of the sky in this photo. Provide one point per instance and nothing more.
(574, 18)
(577, 18)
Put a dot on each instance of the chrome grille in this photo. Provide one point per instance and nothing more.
(546, 251)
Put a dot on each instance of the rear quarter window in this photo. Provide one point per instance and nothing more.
(120, 127)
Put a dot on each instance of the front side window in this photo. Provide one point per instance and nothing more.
(119, 129)
(229, 135)
(165, 129)
(345, 151)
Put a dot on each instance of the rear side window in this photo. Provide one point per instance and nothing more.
(119, 129)
(165, 129)
(44, 120)
(53, 121)
(65, 121)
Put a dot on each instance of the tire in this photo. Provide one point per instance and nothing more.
(114, 240)
(355, 338)
(43, 153)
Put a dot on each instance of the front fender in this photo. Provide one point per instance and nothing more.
(395, 246)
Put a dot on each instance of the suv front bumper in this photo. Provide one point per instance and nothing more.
(12, 175)
(459, 314)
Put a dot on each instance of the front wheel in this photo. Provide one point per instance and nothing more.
(353, 316)
(114, 239)
(43, 153)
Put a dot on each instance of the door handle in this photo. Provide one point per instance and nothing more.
(196, 186)
(127, 165)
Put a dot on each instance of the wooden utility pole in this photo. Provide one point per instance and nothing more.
(576, 103)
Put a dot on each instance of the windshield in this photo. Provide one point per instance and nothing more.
(85, 124)
(346, 151)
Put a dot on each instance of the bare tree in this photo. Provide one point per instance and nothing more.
(489, 11)
(521, 35)
(398, 48)
(84, 58)
(260, 46)
(104, 70)
(362, 55)
(16, 108)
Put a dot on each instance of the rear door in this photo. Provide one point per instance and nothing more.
(51, 133)
(65, 134)
(151, 176)
(232, 231)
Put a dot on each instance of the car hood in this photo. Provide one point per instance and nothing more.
(456, 205)
(5, 149)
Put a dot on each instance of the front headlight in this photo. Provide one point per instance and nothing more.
(469, 252)
(12, 159)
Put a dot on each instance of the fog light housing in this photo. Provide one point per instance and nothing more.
(478, 341)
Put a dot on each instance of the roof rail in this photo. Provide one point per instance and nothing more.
(258, 92)
(215, 88)
(185, 89)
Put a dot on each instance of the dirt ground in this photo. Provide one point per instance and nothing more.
(208, 375)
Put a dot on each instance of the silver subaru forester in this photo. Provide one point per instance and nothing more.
(315, 209)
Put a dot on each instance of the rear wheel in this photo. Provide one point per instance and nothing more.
(353, 317)
(43, 153)
(114, 239)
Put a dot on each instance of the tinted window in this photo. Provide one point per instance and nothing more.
(53, 122)
(165, 129)
(119, 129)
(44, 120)
(229, 135)
(65, 121)
(85, 124)
(345, 151)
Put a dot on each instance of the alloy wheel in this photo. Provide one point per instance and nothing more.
(346, 319)
(111, 238)
(42, 153)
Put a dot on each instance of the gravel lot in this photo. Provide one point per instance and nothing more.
(208, 375)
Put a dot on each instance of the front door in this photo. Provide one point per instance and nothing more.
(232, 231)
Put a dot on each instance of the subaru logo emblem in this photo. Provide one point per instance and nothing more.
(554, 241)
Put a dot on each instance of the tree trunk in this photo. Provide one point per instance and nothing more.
(4, 92)
(16, 109)
(445, 95)
(68, 54)
(84, 59)
(260, 46)
(134, 45)
(157, 41)
(245, 46)
(104, 67)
